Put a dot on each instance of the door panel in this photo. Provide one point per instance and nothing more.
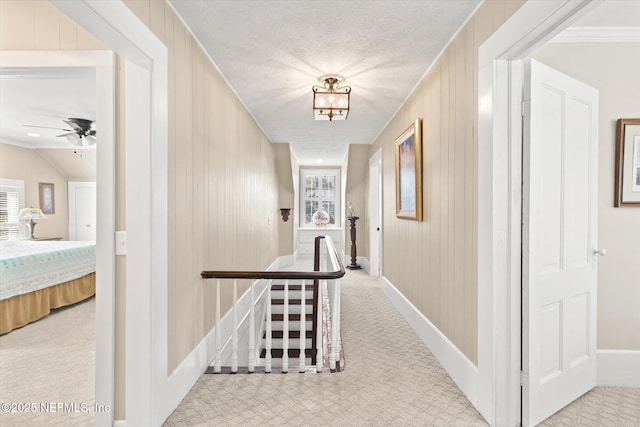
(559, 236)
(375, 214)
(82, 211)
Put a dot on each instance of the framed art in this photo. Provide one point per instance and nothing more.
(47, 198)
(627, 186)
(408, 155)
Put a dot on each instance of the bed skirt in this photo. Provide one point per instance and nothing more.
(19, 310)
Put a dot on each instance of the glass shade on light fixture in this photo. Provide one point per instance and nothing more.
(81, 141)
(30, 214)
(331, 101)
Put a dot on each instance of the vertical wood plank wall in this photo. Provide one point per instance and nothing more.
(434, 262)
(223, 186)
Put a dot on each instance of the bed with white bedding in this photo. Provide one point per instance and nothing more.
(36, 276)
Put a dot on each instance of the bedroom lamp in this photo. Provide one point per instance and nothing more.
(31, 214)
(331, 101)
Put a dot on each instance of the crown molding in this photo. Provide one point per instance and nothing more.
(598, 35)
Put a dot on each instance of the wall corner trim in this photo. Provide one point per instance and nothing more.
(463, 372)
(618, 368)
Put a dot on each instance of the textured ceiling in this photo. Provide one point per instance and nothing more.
(272, 53)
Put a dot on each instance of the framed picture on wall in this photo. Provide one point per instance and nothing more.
(47, 198)
(408, 156)
(627, 187)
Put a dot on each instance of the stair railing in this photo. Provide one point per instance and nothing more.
(328, 269)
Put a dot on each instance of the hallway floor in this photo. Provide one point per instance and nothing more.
(391, 379)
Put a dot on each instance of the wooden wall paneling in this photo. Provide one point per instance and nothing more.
(157, 18)
(421, 227)
(427, 139)
(470, 320)
(459, 214)
(206, 224)
(17, 25)
(140, 8)
(497, 14)
(451, 230)
(213, 124)
(435, 215)
(68, 32)
(444, 191)
(179, 203)
(46, 26)
(198, 226)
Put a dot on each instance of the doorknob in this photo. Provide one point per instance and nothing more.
(601, 252)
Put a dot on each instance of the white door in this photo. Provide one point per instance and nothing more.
(559, 241)
(82, 211)
(375, 212)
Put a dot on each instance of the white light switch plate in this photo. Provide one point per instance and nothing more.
(121, 243)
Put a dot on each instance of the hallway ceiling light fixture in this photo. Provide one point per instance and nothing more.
(331, 101)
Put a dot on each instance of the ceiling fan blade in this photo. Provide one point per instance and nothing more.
(74, 125)
(67, 134)
(46, 127)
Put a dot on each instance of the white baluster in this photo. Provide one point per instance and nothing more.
(285, 329)
(267, 360)
(216, 361)
(252, 333)
(303, 326)
(320, 325)
(234, 334)
(335, 321)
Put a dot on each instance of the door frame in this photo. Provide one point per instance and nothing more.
(71, 187)
(103, 62)
(375, 204)
(150, 395)
(500, 83)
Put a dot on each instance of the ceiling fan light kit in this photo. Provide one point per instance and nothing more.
(80, 134)
(331, 101)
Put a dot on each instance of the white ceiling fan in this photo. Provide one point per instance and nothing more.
(81, 133)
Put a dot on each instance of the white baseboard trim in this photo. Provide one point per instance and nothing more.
(620, 368)
(180, 382)
(457, 365)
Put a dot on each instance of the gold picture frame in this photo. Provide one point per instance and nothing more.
(408, 156)
(627, 186)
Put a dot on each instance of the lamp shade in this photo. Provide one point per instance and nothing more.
(31, 213)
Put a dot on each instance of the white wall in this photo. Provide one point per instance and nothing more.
(612, 68)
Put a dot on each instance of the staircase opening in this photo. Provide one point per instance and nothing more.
(291, 324)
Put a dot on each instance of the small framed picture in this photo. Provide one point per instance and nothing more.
(627, 187)
(408, 156)
(47, 198)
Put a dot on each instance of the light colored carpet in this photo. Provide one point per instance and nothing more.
(47, 368)
(391, 379)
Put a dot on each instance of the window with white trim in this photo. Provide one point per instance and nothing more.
(320, 192)
(11, 201)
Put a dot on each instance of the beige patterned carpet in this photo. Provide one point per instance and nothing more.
(391, 379)
(50, 364)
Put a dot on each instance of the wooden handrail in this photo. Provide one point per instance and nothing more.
(315, 276)
(284, 275)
